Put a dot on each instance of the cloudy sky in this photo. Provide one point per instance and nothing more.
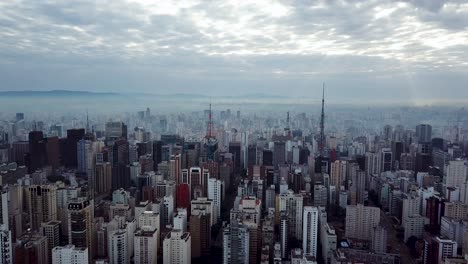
(364, 50)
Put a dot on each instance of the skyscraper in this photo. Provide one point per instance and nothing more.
(200, 230)
(37, 157)
(80, 224)
(236, 239)
(214, 193)
(71, 146)
(457, 172)
(424, 133)
(310, 231)
(69, 255)
(42, 204)
(292, 204)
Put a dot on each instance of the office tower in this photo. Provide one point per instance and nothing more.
(51, 230)
(279, 153)
(456, 173)
(31, 248)
(360, 219)
(386, 158)
(235, 149)
(320, 196)
(267, 157)
(293, 205)
(80, 224)
(103, 178)
(114, 131)
(19, 116)
(69, 255)
(200, 230)
(236, 239)
(42, 204)
(118, 245)
(146, 245)
(214, 193)
(19, 151)
(71, 147)
(120, 152)
(177, 248)
(167, 210)
(328, 240)
(310, 231)
(424, 133)
(37, 157)
(414, 226)
(180, 219)
(379, 239)
(157, 153)
(53, 152)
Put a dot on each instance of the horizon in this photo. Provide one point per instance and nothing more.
(408, 51)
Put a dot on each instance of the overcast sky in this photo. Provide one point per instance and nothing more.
(364, 50)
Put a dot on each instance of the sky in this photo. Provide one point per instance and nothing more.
(414, 50)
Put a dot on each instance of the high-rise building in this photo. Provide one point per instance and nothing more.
(200, 230)
(167, 210)
(51, 230)
(180, 219)
(146, 245)
(42, 204)
(338, 175)
(456, 210)
(320, 196)
(215, 194)
(71, 147)
(118, 245)
(177, 248)
(236, 239)
(37, 157)
(424, 133)
(414, 226)
(359, 219)
(386, 158)
(328, 240)
(80, 224)
(292, 204)
(6, 245)
(103, 178)
(157, 153)
(456, 172)
(279, 154)
(31, 248)
(310, 231)
(69, 255)
(203, 203)
(379, 239)
(411, 206)
(115, 131)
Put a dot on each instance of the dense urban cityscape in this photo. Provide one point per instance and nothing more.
(224, 186)
(234, 132)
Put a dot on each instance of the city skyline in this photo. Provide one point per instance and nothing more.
(412, 51)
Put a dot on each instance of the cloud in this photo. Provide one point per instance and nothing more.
(203, 45)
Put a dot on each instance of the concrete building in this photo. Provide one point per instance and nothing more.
(215, 194)
(320, 195)
(80, 224)
(146, 245)
(414, 226)
(359, 219)
(69, 255)
(42, 204)
(180, 219)
(292, 204)
(200, 231)
(310, 231)
(203, 203)
(118, 246)
(328, 240)
(177, 248)
(236, 237)
(456, 210)
(51, 230)
(456, 173)
(379, 239)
